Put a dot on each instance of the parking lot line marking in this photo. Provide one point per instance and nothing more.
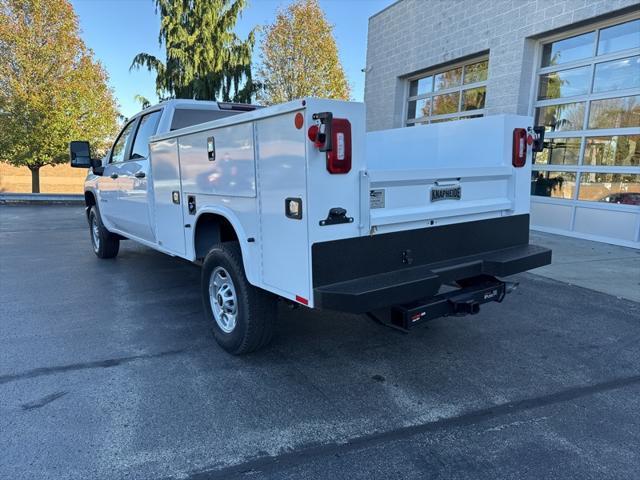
(305, 454)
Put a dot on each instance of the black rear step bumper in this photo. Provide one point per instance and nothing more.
(401, 286)
(371, 273)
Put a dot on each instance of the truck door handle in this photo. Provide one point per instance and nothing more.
(140, 175)
(114, 175)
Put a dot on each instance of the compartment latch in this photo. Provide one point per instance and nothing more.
(336, 216)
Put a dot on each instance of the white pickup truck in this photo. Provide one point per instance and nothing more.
(296, 201)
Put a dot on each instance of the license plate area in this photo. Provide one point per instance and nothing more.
(445, 192)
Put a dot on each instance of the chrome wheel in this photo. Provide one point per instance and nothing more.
(95, 233)
(222, 295)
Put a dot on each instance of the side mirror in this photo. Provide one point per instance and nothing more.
(80, 157)
(80, 154)
(96, 166)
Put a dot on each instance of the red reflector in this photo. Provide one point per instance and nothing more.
(519, 147)
(299, 121)
(302, 300)
(312, 133)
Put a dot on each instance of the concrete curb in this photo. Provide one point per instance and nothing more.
(40, 199)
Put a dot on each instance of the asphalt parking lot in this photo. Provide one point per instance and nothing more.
(108, 370)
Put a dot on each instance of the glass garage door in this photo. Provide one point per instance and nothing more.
(587, 180)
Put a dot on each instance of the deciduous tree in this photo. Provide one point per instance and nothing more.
(300, 57)
(52, 90)
(205, 59)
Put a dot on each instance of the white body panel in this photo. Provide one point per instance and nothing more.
(282, 174)
(262, 158)
(166, 180)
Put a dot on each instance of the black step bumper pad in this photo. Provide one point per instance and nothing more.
(354, 285)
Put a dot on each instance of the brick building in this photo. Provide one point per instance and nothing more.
(573, 65)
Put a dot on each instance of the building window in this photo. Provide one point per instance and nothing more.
(448, 94)
(588, 100)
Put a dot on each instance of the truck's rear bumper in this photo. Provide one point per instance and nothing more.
(369, 293)
(424, 260)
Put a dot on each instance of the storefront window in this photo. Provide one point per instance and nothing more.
(559, 151)
(447, 103)
(459, 90)
(619, 188)
(421, 86)
(617, 75)
(419, 108)
(566, 83)
(473, 99)
(618, 112)
(619, 37)
(553, 184)
(448, 79)
(568, 49)
(618, 150)
(476, 72)
(563, 117)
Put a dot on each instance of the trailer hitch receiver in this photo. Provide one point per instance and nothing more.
(464, 301)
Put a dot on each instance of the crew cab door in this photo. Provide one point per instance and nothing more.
(134, 198)
(108, 187)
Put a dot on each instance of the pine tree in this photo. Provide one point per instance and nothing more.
(205, 59)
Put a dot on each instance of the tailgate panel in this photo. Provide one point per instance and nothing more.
(469, 157)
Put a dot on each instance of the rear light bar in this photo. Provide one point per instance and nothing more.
(519, 158)
(242, 107)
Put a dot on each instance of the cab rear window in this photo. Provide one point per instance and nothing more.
(185, 117)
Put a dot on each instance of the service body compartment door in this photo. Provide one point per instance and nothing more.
(282, 176)
(165, 171)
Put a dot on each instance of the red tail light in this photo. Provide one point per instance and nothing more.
(339, 157)
(519, 147)
(333, 136)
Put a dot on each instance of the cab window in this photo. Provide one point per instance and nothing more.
(146, 128)
(118, 150)
(185, 117)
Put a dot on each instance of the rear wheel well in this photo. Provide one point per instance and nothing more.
(210, 230)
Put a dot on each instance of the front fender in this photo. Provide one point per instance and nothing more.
(90, 187)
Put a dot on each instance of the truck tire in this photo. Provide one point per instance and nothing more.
(243, 316)
(105, 244)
